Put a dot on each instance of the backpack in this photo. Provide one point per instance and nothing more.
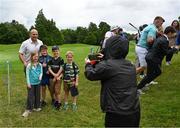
(73, 64)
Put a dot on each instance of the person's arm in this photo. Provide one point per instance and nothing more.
(77, 80)
(21, 53)
(27, 76)
(77, 76)
(50, 70)
(59, 74)
(164, 46)
(96, 72)
(21, 57)
(151, 36)
(150, 40)
(41, 74)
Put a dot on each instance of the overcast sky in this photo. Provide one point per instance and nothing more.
(73, 13)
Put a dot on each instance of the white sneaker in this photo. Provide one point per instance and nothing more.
(153, 82)
(37, 109)
(141, 76)
(146, 87)
(140, 92)
(168, 63)
(26, 113)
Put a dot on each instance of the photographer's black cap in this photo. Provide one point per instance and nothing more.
(55, 47)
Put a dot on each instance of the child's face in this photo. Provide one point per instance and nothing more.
(69, 58)
(35, 58)
(44, 52)
(55, 53)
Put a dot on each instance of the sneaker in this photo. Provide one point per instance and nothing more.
(140, 92)
(66, 106)
(168, 63)
(43, 103)
(26, 113)
(153, 82)
(37, 109)
(74, 107)
(141, 76)
(57, 105)
(146, 87)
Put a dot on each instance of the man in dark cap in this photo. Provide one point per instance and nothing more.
(118, 96)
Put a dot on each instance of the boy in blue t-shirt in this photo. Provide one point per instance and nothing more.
(44, 59)
(71, 79)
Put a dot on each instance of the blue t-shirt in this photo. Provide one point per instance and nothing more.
(45, 59)
(149, 31)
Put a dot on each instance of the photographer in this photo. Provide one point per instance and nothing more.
(119, 98)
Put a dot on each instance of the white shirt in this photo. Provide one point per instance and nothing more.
(107, 36)
(28, 47)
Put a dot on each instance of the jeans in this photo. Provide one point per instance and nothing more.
(153, 71)
(169, 56)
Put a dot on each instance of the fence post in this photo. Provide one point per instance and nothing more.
(8, 83)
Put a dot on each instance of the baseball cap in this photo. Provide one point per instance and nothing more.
(159, 17)
(55, 47)
(114, 28)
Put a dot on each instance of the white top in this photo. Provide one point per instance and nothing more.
(107, 36)
(28, 47)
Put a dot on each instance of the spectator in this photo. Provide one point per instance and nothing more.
(34, 76)
(119, 98)
(29, 46)
(114, 31)
(173, 41)
(145, 42)
(155, 56)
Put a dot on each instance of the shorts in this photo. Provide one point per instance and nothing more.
(73, 89)
(141, 54)
(45, 81)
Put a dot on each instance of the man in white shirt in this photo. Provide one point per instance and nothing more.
(114, 31)
(29, 46)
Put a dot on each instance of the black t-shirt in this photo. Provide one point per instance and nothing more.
(55, 65)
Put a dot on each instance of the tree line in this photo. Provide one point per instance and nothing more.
(14, 32)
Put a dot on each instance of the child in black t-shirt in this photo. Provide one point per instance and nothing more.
(55, 69)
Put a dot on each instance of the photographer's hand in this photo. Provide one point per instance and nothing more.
(100, 55)
(87, 61)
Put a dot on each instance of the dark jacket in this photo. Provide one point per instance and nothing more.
(118, 78)
(159, 49)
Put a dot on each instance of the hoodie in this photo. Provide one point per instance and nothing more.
(118, 78)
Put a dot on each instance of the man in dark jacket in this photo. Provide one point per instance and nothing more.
(118, 96)
(155, 56)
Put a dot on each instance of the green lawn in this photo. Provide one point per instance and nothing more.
(159, 106)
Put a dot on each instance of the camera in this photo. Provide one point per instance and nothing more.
(93, 56)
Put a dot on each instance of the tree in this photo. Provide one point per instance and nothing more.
(48, 32)
(90, 39)
(12, 33)
(70, 36)
(81, 34)
(103, 28)
(93, 30)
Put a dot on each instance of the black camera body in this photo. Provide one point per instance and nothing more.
(93, 56)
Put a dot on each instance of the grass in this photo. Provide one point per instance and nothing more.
(159, 106)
